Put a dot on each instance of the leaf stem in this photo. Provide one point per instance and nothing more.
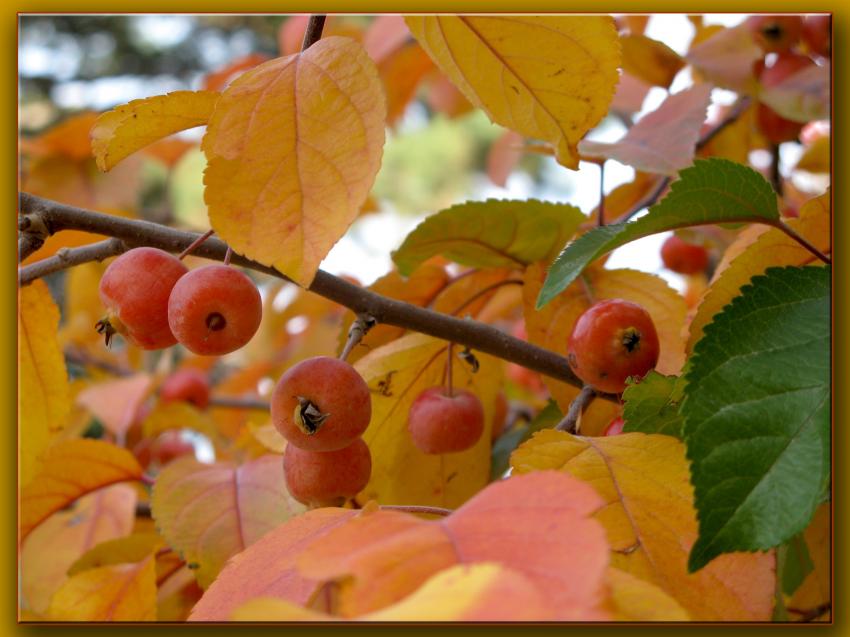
(784, 227)
(313, 34)
(415, 508)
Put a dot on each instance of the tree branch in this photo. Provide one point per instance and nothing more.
(577, 407)
(473, 334)
(315, 25)
(68, 257)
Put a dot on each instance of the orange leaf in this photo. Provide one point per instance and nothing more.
(44, 395)
(219, 80)
(169, 150)
(385, 35)
(503, 157)
(116, 402)
(132, 126)
(292, 148)
(537, 525)
(759, 249)
(663, 141)
(445, 98)
(555, 90)
(267, 567)
(650, 60)
(123, 592)
(401, 72)
(48, 552)
(69, 139)
(72, 469)
(651, 522)
(211, 512)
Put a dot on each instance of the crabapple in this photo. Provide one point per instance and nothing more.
(135, 289)
(776, 128)
(441, 423)
(327, 478)
(775, 33)
(321, 404)
(188, 384)
(162, 449)
(214, 310)
(614, 427)
(683, 257)
(817, 34)
(611, 341)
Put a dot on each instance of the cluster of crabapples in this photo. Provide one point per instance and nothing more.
(154, 301)
(790, 44)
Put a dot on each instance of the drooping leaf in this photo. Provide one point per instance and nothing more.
(292, 150)
(267, 567)
(396, 374)
(132, 126)
(803, 96)
(491, 234)
(211, 512)
(556, 90)
(43, 393)
(72, 469)
(650, 60)
(121, 592)
(652, 405)
(52, 547)
(758, 396)
(537, 525)
(748, 257)
(726, 58)
(115, 403)
(710, 191)
(650, 520)
(664, 140)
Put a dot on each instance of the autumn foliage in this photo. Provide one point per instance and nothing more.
(503, 427)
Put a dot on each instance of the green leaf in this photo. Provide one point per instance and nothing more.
(652, 405)
(757, 414)
(793, 563)
(549, 416)
(491, 234)
(711, 191)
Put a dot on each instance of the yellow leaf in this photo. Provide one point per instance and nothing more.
(276, 609)
(651, 521)
(43, 393)
(268, 436)
(133, 548)
(771, 248)
(122, 592)
(396, 374)
(72, 469)
(816, 158)
(547, 77)
(132, 126)
(551, 326)
(636, 600)
(293, 148)
(211, 512)
(178, 415)
(650, 60)
(48, 552)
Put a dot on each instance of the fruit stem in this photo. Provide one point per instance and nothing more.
(415, 508)
(784, 227)
(196, 243)
(449, 391)
(227, 255)
(577, 407)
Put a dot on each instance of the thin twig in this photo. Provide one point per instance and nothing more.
(68, 257)
(449, 366)
(359, 328)
(315, 25)
(579, 404)
(811, 614)
(232, 402)
(414, 508)
(784, 227)
(600, 214)
(474, 334)
(775, 172)
(195, 244)
(27, 244)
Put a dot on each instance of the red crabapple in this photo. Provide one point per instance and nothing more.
(775, 33)
(188, 384)
(214, 310)
(611, 341)
(683, 257)
(135, 289)
(327, 478)
(817, 34)
(439, 423)
(615, 427)
(321, 404)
